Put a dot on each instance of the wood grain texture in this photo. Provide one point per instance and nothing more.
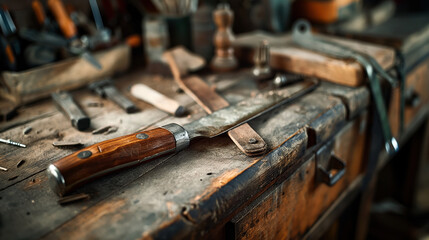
(180, 196)
(157, 99)
(244, 137)
(355, 100)
(28, 86)
(114, 154)
(416, 81)
(288, 57)
(279, 213)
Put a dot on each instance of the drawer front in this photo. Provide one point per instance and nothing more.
(416, 96)
(288, 209)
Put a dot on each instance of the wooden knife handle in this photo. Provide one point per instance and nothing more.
(101, 158)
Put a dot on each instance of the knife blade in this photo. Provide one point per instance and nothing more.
(181, 62)
(111, 155)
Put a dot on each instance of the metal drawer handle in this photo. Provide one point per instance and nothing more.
(336, 171)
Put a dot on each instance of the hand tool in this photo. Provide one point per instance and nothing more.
(76, 45)
(282, 79)
(44, 22)
(37, 54)
(8, 58)
(114, 154)
(302, 37)
(157, 99)
(106, 89)
(262, 68)
(100, 36)
(10, 45)
(8, 141)
(39, 12)
(65, 102)
(246, 139)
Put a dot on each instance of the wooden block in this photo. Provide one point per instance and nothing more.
(288, 57)
(36, 83)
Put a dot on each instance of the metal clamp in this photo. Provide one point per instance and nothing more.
(302, 37)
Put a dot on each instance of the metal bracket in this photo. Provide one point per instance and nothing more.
(303, 37)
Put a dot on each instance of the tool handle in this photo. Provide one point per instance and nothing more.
(157, 99)
(78, 118)
(7, 53)
(111, 155)
(113, 94)
(67, 26)
(38, 11)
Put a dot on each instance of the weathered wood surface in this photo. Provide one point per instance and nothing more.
(288, 57)
(210, 100)
(180, 196)
(30, 85)
(279, 212)
(417, 82)
(407, 33)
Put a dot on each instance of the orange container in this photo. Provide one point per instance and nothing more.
(325, 11)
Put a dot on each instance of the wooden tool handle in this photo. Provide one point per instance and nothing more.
(157, 99)
(66, 103)
(108, 156)
(66, 24)
(38, 11)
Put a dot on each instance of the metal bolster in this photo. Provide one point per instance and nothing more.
(180, 135)
(56, 180)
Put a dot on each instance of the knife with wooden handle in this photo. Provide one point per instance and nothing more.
(180, 61)
(102, 158)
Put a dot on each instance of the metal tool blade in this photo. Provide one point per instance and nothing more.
(91, 59)
(232, 116)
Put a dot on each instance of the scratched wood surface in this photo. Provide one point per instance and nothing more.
(179, 196)
(278, 213)
(288, 57)
(417, 97)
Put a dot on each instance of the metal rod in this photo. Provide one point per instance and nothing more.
(8, 141)
(97, 16)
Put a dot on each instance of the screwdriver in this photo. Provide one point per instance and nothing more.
(69, 30)
(8, 141)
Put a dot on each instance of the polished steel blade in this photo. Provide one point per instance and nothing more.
(232, 116)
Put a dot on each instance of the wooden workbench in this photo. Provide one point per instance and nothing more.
(211, 190)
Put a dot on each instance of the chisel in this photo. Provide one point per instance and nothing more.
(101, 158)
